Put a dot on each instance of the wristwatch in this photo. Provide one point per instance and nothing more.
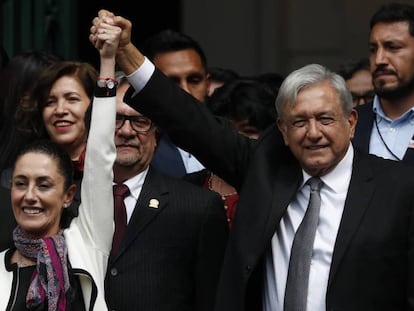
(108, 83)
(106, 87)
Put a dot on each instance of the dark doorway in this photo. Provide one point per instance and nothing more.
(147, 17)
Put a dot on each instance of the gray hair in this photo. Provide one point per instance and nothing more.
(308, 76)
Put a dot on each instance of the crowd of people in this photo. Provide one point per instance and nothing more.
(156, 182)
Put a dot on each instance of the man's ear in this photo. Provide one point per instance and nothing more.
(283, 129)
(352, 120)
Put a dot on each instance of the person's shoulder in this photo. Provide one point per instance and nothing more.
(365, 109)
(197, 178)
(389, 169)
(271, 149)
(172, 181)
(385, 163)
(186, 189)
(182, 184)
(269, 133)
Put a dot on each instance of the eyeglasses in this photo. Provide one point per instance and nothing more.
(360, 99)
(139, 124)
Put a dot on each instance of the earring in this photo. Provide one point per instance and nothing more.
(65, 205)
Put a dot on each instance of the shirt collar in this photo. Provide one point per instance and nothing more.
(376, 107)
(135, 183)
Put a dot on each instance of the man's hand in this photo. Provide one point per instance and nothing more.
(107, 39)
(107, 17)
(128, 57)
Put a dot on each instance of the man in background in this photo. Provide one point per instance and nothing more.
(182, 59)
(386, 127)
(358, 79)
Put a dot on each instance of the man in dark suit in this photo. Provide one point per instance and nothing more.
(171, 254)
(362, 253)
(182, 59)
(386, 126)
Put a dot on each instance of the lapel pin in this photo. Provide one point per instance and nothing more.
(153, 203)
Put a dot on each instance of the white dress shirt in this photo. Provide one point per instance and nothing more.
(191, 164)
(140, 77)
(135, 186)
(333, 194)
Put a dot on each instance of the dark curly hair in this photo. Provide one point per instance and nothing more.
(394, 12)
(29, 112)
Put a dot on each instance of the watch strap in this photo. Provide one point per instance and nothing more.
(105, 87)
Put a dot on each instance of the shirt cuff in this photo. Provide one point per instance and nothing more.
(140, 77)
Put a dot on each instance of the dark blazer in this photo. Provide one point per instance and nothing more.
(7, 221)
(167, 158)
(363, 130)
(171, 256)
(373, 259)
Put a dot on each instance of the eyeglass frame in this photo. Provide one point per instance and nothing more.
(131, 120)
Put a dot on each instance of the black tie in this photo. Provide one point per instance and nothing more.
(300, 257)
(120, 192)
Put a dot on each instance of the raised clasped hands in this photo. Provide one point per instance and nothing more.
(104, 25)
(128, 57)
(105, 36)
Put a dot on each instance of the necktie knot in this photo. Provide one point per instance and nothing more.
(315, 183)
(121, 190)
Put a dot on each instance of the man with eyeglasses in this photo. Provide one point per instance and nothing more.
(386, 127)
(138, 123)
(358, 80)
(170, 255)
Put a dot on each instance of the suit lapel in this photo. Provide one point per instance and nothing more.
(361, 189)
(152, 200)
(271, 181)
(285, 188)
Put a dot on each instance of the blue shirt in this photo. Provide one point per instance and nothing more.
(395, 135)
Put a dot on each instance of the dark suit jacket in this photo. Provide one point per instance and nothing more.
(167, 158)
(373, 260)
(171, 256)
(364, 128)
